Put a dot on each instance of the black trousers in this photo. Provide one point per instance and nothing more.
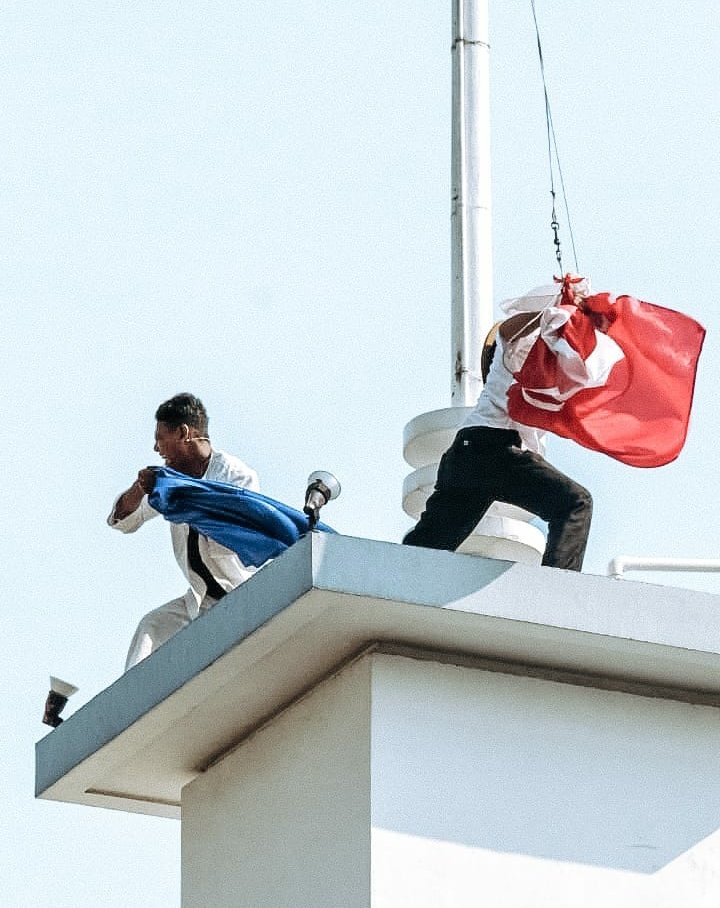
(484, 465)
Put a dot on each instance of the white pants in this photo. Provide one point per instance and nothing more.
(161, 623)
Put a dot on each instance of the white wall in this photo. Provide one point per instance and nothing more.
(284, 821)
(495, 790)
(402, 783)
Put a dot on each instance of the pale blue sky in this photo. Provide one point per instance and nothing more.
(192, 196)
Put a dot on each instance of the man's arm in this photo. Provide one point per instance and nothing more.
(518, 326)
(131, 499)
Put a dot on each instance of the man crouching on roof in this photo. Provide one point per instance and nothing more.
(181, 439)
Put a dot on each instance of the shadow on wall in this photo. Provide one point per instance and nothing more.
(549, 770)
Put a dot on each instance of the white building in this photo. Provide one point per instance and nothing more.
(367, 724)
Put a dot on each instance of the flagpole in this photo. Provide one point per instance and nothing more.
(504, 532)
(471, 197)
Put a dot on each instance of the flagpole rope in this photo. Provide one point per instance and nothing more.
(552, 149)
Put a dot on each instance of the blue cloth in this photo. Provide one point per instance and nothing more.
(252, 525)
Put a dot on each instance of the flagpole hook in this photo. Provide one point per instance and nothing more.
(555, 226)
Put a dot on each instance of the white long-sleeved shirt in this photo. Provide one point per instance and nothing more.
(491, 410)
(224, 564)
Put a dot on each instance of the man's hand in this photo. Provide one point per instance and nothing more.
(600, 320)
(601, 310)
(146, 480)
(130, 500)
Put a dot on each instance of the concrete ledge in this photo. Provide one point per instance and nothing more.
(328, 598)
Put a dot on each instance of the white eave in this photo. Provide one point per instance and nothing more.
(326, 600)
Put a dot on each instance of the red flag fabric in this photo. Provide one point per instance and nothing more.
(639, 413)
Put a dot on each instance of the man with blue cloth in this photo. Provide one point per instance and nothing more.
(211, 569)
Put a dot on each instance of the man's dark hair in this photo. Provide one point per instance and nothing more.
(183, 408)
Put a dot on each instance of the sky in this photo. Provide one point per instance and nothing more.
(251, 202)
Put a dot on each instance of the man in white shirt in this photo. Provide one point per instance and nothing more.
(494, 458)
(181, 439)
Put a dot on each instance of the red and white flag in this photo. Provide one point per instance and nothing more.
(625, 390)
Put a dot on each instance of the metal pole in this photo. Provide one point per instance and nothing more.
(471, 234)
(619, 566)
(505, 533)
